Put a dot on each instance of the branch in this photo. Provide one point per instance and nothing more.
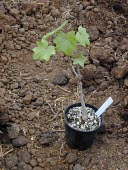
(80, 89)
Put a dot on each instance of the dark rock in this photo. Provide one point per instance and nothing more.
(101, 72)
(11, 161)
(20, 141)
(24, 166)
(47, 138)
(88, 72)
(60, 79)
(71, 158)
(93, 33)
(24, 156)
(13, 131)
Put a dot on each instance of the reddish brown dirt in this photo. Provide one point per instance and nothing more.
(27, 91)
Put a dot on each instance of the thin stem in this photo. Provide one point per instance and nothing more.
(54, 31)
(80, 89)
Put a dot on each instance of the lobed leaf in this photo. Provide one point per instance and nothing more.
(82, 36)
(66, 42)
(80, 59)
(43, 51)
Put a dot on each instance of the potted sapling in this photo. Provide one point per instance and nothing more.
(81, 121)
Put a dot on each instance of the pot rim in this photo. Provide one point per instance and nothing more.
(79, 104)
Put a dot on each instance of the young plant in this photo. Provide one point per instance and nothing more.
(68, 44)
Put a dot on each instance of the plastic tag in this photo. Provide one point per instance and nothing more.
(106, 104)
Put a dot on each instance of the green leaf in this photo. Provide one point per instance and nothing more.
(80, 59)
(43, 51)
(66, 42)
(82, 36)
(44, 43)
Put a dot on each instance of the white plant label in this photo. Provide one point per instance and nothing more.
(106, 104)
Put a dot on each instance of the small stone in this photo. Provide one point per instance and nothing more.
(1, 85)
(89, 7)
(72, 158)
(39, 101)
(20, 141)
(4, 59)
(124, 130)
(11, 161)
(80, 7)
(38, 63)
(125, 151)
(9, 45)
(101, 54)
(86, 161)
(2, 92)
(55, 12)
(63, 154)
(60, 79)
(96, 10)
(23, 166)
(88, 72)
(5, 80)
(22, 30)
(47, 138)
(27, 99)
(78, 167)
(17, 47)
(2, 37)
(32, 32)
(93, 32)
(24, 156)
(14, 86)
(37, 168)
(53, 162)
(14, 12)
(48, 69)
(31, 115)
(126, 82)
(37, 79)
(33, 163)
(120, 71)
(13, 131)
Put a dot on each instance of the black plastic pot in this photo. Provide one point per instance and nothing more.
(79, 139)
